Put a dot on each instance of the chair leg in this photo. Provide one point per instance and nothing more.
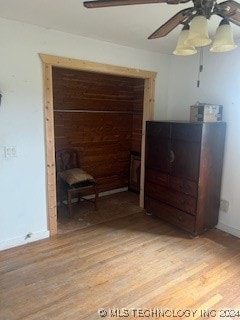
(96, 197)
(70, 204)
(79, 198)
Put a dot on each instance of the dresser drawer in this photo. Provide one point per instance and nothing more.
(184, 185)
(170, 214)
(156, 177)
(174, 198)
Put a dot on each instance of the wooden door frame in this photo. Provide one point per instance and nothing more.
(50, 61)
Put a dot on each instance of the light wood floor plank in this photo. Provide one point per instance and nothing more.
(131, 261)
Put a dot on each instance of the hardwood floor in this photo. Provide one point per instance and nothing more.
(131, 261)
(109, 207)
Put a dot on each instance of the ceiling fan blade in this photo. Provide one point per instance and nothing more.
(230, 10)
(168, 26)
(113, 3)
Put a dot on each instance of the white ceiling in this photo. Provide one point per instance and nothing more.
(128, 25)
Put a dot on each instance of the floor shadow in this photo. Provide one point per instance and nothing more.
(122, 211)
(117, 211)
(110, 208)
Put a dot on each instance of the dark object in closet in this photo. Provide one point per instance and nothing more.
(135, 172)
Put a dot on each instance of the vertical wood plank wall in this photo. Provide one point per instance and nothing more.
(100, 115)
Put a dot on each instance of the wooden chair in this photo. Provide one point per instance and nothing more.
(72, 181)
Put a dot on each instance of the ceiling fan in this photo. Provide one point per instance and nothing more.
(228, 10)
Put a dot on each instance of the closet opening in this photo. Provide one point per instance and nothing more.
(100, 116)
(118, 117)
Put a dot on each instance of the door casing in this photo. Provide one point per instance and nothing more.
(49, 61)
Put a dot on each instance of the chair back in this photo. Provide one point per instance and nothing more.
(66, 159)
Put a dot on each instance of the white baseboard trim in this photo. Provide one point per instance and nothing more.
(15, 242)
(107, 193)
(23, 240)
(228, 229)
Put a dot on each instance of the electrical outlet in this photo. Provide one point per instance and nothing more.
(10, 151)
(14, 151)
(224, 205)
(28, 235)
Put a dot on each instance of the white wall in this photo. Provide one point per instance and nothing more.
(220, 84)
(23, 196)
(23, 207)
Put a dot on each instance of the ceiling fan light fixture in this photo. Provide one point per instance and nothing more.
(183, 49)
(198, 33)
(224, 38)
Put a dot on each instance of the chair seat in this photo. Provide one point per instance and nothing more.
(82, 184)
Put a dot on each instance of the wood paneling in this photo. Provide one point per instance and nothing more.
(136, 132)
(93, 91)
(100, 116)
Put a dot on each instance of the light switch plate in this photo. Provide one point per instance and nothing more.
(10, 151)
(224, 205)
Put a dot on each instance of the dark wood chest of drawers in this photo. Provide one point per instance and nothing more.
(183, 168)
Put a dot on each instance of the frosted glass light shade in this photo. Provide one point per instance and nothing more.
(183, 49)
(198, 33)
(224, 38)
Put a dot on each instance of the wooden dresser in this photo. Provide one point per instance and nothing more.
(183, 171)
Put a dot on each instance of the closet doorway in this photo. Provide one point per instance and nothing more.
(100, 119)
